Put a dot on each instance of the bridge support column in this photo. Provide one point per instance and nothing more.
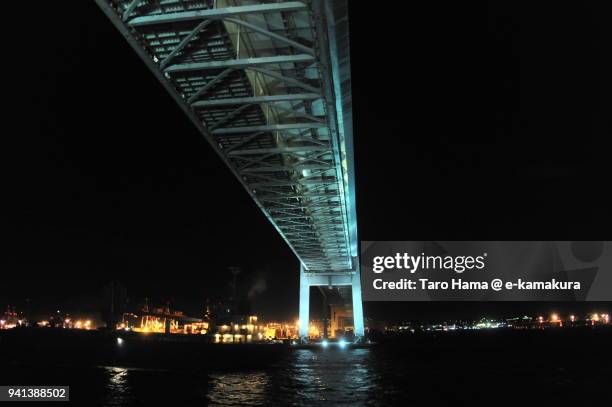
(308, 279)
(357, 304)
(304, 304)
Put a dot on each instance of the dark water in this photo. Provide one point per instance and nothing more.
(411, 374)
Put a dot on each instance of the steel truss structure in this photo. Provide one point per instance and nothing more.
(267, 83)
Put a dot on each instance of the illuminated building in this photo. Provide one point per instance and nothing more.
(162, 320)
(11, 319)
(246, 330)
(488, 324)
(252, 331)
(341, 320)
(82, 323)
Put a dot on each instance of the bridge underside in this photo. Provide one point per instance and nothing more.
(267, 84)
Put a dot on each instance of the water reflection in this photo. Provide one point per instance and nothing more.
(306, 377)
(371, 377)
(340, 377)
(117, 386)
(238, 389)
(302, 378)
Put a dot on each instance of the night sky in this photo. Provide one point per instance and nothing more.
(485, 121)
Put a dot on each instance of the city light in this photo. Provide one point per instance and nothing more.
(248, 330)
(119, 341)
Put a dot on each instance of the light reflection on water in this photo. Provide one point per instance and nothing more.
(306, 377)
(381, 376)
(238, 389)
(335, 376)
(117, 387)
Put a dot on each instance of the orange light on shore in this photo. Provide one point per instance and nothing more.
(554, 318)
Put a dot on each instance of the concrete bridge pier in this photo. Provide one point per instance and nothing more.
(308, 280)
(304, 318)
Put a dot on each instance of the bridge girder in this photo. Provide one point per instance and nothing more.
(267, 84)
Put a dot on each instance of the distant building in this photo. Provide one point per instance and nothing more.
(12, 319)
(162, 320)
(341, 320)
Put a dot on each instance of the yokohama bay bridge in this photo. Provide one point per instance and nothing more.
(268, 85)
